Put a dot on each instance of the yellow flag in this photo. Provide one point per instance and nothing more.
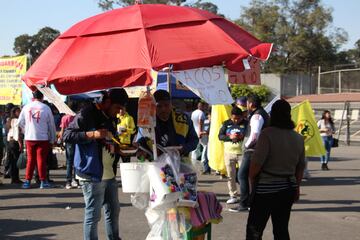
(305, 124)
(11, 71)
(219, 114)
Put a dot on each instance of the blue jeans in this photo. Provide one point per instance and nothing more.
(243, 178)
(204, 159)
(98, 195)
(328, 141)
(69, 152)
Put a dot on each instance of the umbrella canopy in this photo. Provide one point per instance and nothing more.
(118, 48)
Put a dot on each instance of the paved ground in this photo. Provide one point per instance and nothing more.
(329, 208)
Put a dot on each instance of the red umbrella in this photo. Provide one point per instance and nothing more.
(119, 47)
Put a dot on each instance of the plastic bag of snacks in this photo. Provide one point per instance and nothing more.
(146, 110)
(171, 179)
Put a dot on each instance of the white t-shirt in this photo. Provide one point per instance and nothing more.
(196, 117)
(13, 131)
(256, 123)
(37, 121)
(322, 125)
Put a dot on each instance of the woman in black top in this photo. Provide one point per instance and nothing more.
(276, 168)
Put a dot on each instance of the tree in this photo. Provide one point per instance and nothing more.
(299, 30)
(36, 43)
(207, 6)
(242, 90)
(353, 55)
(111, 4)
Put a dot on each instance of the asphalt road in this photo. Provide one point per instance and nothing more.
(329, 208)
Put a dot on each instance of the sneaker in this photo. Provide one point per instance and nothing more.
(68, 185)
(74, 184)
(239, 209)
(306, 176)
(232, 200)
(26, 184)
(45, 184)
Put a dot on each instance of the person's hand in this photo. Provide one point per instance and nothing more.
(112, 149)
(233, 136)
(21, 145)
(240, 136)
(98, 134)
(297, 194)
(329, 131)
(101, 133)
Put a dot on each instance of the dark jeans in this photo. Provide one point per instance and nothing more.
(70, 152)
(13, 156)
(278, 206)
(5, 159)
(243, 178)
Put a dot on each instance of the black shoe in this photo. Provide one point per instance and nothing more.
(326, 167)
(16, 181)
(206, 173)
(239, 208)
(323, 166)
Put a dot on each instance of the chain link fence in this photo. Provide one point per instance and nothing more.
(338, 81)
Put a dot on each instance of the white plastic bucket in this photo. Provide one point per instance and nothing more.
(134, 177)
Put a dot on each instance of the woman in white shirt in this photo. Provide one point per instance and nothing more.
(327, 129)
(14, 148)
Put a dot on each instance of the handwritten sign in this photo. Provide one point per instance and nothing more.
(248, 76)
(208, 83)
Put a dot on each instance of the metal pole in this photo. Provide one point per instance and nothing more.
(319, 72)
(297, 85)
(168, 78)
(341, 120)
(339, 81)
(152, 132)
(348, 124)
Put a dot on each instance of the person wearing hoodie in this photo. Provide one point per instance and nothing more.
(92, 130)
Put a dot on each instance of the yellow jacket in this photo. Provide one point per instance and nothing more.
(126, 122)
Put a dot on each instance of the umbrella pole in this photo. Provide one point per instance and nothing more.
(153, 136)
(152, 132)
(168, 79)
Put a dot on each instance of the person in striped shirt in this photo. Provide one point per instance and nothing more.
(276, 170)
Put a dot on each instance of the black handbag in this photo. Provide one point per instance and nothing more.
(335, 143)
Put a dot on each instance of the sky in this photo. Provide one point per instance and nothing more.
(29, 16)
